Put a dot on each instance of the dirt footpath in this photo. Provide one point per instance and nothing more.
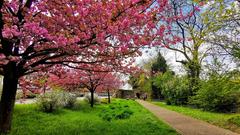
(183, 124)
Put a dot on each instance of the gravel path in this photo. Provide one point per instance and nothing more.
(183, 124)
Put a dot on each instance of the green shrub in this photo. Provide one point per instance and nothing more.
(96, 99)
(116, 112)
(174, 89)
(104, 100)
(124, 114)
(219, 93)
(49, 102)
(235, 120)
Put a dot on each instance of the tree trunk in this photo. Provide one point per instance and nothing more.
(44, 88)
(194, 73)
(109, 98)
(7, 102)
(92, 98)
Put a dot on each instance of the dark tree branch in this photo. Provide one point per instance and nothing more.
(29, 3)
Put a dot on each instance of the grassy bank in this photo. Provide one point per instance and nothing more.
(84, 120)
(228, 121)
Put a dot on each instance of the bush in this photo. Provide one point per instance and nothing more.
(124, 114)
(174, 89)
(104, 100)
(235, 120)
(19, 95)
(49, 102)
(78, 94)
(31, 95)
(116, 112)
(96, 99)
(67, 100)
(219, 93)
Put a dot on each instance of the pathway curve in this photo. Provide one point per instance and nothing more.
(183, 124)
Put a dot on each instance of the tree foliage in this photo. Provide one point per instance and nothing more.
(159, 66)
(218, 93)
(225, 19)
(173, 88)
(143, 81)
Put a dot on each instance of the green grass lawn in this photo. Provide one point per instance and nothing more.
(83, 120)
(228, 121)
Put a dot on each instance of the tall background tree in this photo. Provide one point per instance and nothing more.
(227, 19)
(159, 66)
(189, 29)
